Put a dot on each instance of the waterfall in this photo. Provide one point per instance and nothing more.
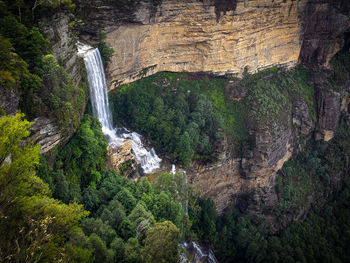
(197, 254)
(100, 107)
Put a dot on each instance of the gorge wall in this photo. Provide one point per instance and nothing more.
(221, 37)
(192, 36)
(226, 38)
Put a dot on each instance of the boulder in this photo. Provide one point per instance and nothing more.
(122, 159)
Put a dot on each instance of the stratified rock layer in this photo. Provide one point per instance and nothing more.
(45, 132)
(226, 39)
(189, 36)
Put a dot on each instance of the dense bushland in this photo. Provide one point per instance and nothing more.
(34, 227)
(177, 120)
(27, 65)
(99, 216)
(187, 115)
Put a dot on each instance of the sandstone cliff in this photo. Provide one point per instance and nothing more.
(221, 37)
(225, 38)
(190, 36)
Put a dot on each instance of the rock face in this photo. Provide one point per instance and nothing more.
(324, 26)
(196, 36)
(228, 179)
(45, 132)
(9, 99)
(227, 38)
(328, 104)
(63, 43)
(122, 159)
(221, 37)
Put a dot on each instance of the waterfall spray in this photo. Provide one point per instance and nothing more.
(100, 107)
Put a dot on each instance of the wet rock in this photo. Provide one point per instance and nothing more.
(122, 159)
(198, 253)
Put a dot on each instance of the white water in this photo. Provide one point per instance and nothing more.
(173, 169)
(198, 254)
(99, 99)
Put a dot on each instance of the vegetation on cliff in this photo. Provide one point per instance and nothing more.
(28, 68)
(184, 114)
(178, 120)
(322, 237)
(125, 215)
(99, 216)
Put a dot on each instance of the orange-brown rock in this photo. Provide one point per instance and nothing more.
(188, 36)
(122, 159)
(236, 35)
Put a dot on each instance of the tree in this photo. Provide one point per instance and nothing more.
(185, 151)
(102, 254)
(85, 154)
(127, 229)
(161, 243)
(132, 251)
(118, 246)
(114, 214)
(165, 208)
(126, 199)
(51, 4)
(61, 186)
(33, 226)
(103, 230)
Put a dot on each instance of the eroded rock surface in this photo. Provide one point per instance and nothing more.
(45, 132)
(122, 159)
(328, 104)
(221, 37)
(9, 99)
(196, 36)
(210, 36)
(63, 42)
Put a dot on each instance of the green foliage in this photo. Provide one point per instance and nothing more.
(322, 237)
(126, 198)
(63, 98)
(123, 211)
(161, 243)
(311, 171)
(84, 156)
(302, 176)
(103, 230)
(106, 52)
(132, 251)
(184, 114)
(102, 254)
(28, 42)
(45, 87)
(34, 227)
(178, 119)
(271, 91)
(14, 73)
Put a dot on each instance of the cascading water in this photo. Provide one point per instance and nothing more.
(99, 99)
(117, 136)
